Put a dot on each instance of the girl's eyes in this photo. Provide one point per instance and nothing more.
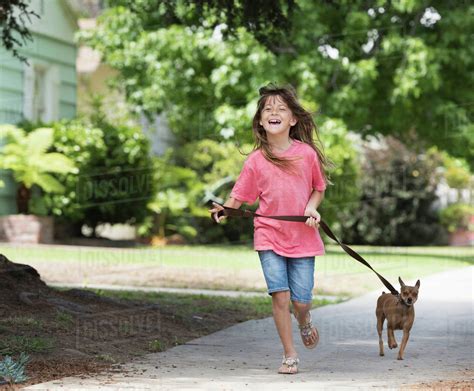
(280, 108)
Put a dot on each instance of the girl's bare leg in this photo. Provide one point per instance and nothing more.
(301, 311)
(282, 318)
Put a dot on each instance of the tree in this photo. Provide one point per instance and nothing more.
(14, 15)
(382, 67)
(268, 22)
(395, 68)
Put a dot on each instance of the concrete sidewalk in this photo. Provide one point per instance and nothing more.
(247, 355)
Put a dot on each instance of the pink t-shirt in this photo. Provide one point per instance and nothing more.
(282, 193)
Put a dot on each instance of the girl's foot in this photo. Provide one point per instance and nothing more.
(289, 365)
(309, 333)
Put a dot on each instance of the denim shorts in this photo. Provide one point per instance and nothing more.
(288, 274)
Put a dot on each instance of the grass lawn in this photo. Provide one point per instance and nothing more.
(237, 256)
(234, 267)
(199, 306)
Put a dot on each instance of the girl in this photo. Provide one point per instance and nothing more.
(284, 173)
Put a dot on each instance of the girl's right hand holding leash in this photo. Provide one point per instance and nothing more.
(313, 217)
(217, 208)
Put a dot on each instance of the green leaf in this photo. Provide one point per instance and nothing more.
(10, 132)
(55, 162)
(38, 141)
(49, 183)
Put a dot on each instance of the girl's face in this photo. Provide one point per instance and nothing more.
(276, 117)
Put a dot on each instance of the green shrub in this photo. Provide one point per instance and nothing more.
(398, 195)
(115, 179)
(458, 217)
(342, 197)
(27, 156)
(175, 198)
(217, 166)
(83, 144)
(457, 172)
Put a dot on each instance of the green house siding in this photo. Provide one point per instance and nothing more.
(7, 194)
(52, 47)
(45, 50)
(11, 103)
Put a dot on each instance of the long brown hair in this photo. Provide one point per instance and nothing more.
(302, 130)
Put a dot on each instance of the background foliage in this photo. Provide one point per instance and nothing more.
(375, 68)
(114, 182)
(379, 68)
(393, 67)
(398, 197)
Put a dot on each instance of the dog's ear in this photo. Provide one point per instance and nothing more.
(417, 285)
(402, 284)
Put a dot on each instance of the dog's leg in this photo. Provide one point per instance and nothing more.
(389, 336)
(392, 342)
(380, 320)
(406, 335)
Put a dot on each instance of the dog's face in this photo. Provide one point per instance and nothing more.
(409, 294)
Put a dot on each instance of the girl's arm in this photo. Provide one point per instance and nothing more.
(231, 203)
(311, 208)
(315, 199)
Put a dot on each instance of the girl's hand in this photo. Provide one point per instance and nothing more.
(314, 219)
(217, 208)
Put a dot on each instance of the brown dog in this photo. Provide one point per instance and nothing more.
(400, 315)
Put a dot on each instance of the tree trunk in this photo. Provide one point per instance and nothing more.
(23, 196)
(161, 224)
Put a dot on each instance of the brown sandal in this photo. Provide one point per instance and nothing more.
(306, 331)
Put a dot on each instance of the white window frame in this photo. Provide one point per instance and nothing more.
(50, 94)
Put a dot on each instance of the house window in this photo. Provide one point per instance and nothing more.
(41, 92)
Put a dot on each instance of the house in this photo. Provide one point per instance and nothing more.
(45, 88)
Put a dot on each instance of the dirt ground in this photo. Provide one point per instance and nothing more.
(443, 386)
(76, 332)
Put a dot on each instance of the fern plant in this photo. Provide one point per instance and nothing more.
(27, 157)
(13, 372)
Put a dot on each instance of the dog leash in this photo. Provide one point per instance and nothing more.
(232, 212)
